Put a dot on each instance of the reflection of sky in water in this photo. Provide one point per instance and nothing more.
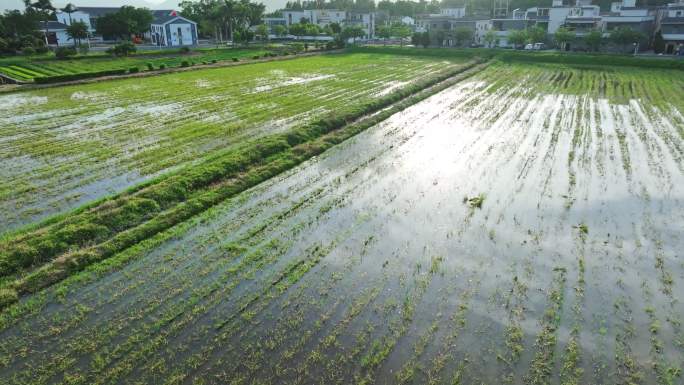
(388, 203)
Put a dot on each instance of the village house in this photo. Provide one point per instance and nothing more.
(671, 22)
(168, 28)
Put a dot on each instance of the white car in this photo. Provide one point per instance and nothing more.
(529, 47)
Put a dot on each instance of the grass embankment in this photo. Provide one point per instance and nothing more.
(515, 56)
(28, 69)
(70, 244)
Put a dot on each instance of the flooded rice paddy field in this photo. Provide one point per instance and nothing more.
(522, 226)
(63, 147)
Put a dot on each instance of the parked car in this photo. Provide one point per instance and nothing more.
(535, 47)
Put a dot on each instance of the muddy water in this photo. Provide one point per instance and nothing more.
(373, 263)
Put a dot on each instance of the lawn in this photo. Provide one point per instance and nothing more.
(26, 69)
(521, 226)
(63, 147)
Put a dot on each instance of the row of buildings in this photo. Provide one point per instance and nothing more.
(578, 16)
(168, 28)
(325, 17)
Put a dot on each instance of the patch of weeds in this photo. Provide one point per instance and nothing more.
(475, 202)
(541, 367)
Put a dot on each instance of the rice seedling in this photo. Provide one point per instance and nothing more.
(342, 249)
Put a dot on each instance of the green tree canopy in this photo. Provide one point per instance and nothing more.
(658, 43)
(463, 35)
(77, 30)
(594, 39)
(517, 37)
(490, 38)
(536, 35)
(280, 30)
(562, 37)
(352, 32)
(625, 37)
(125, 22)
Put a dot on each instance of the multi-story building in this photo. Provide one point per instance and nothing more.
(366, 20)
(625, 14)
(325, 17)
(671, 26)
(320, 17)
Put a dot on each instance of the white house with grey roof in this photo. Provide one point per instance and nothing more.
(168, 28)
(173, 30)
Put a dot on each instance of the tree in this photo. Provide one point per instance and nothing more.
(262, 31)
(311, 30)
(517, 37)
(352, 32)
(384, 32)
(415, 38)
(16, 24)
(138, 20)
(594, 39)
(125, 22)
(425, 39)
(563, 37)
(335, 28)
(298, 29)
(401, 31)
(280, 30)
(69, 9)
(658, 43)
(490, 38)
(243, 36)
(625, 37)
(43, 10)
(536, 35)
(438, 36)
(77, 30)
(463, 35)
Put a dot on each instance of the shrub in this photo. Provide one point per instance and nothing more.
(162, 66)
(133, 70)
(65, 52)
(122, 49)
(185, 50)
(79, 234)
(41, 48)
(83, 49)
(28, 51)
(236, 59)
(7, 296)
(150, 67)
(185, 63)
(255, 57)
(214, 61)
